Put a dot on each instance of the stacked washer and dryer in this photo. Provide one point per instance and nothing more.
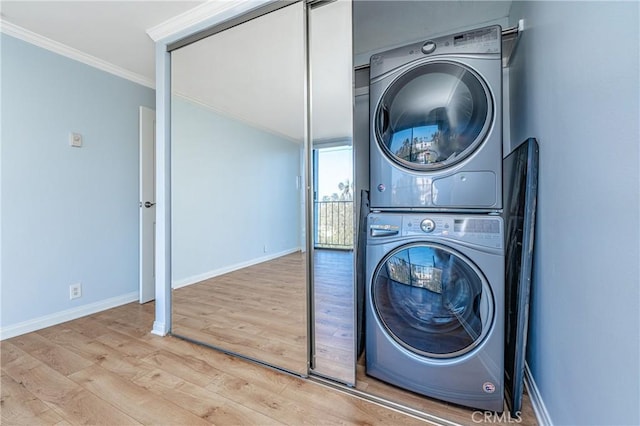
(434, 298)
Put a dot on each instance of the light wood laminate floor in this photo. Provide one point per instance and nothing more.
(108, 369)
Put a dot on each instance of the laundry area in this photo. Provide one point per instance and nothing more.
(406, 204)
(425, 306)
(434, 258)
(344, 212)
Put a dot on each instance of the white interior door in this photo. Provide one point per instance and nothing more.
(147, 204)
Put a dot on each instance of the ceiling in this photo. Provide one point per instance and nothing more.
(113, 31)
(116, 33)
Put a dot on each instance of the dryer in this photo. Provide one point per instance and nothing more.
(434, 305)
(436, 124)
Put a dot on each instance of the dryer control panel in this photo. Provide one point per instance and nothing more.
(480, 41)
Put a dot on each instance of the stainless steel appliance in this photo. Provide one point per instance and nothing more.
(434, 305)
(436, 124)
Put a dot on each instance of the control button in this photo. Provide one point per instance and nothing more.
(427, 225)
(428, 47)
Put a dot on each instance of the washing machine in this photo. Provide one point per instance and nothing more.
(436, 124)
(434, 305)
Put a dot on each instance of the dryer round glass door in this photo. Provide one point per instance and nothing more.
(433, 116)
(432, 300)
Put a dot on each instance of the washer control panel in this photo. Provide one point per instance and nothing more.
(482, 230)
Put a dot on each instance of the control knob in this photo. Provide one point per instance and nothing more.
(428, 47)
(428, 225)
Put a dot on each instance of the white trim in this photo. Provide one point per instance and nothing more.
(191, 17)
(69, 52)
(66, 315)
(230, 268)
(159, 329)
(540, 410)
(162, 323)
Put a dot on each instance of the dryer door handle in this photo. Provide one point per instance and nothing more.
(383, 119)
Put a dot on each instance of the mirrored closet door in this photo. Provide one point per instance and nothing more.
(331, 106)
(239, 256)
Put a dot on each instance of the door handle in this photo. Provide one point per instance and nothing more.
(384, 232)
(149, 204)
(383, 119)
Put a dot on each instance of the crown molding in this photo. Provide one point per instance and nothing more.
(200, 15)
(69, 52)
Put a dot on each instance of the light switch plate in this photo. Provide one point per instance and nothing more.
(75, 140)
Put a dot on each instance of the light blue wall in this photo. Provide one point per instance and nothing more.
(233, 192)
(68, 214)
(575, 87)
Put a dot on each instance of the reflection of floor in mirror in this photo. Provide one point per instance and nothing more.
(334, 313)
(258, 311)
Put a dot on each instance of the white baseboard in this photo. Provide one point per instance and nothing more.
(230, 268)
(66, 315)
(159, 329)
(540, 410)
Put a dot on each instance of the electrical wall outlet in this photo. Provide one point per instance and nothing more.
(75, 291)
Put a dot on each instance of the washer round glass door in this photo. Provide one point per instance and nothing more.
(432, 300)
(433, 116)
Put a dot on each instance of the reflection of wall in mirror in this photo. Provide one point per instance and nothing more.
(235, 199)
